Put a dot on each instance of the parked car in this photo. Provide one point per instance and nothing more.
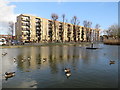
(2, 41)
(16, 42)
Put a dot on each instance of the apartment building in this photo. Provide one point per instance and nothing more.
(30, 28)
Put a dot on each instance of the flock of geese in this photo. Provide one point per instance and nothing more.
(23, 59)
(67, 71)
(12, 74)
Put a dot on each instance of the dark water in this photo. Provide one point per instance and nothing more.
(89, 68)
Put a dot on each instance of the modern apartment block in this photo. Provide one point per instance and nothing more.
(35, 29)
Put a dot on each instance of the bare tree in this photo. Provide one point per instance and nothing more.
(113, 31)
(97, 27)
(11, 29)
(89, 32)
(75, 22)
(54, 18)
(63, 18)
(87, 24)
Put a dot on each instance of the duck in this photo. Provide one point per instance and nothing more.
(68, 74)
(4, 53)
(28, 58)
(22, 60)
(44, 59)
(67, 70)
(111, 62)
(14, 59)
(9, 74)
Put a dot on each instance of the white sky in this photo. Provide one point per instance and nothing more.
(6, 15)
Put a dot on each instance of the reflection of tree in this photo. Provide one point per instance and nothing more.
(21, 65)
(52, 61)
(68, 53)
(86, 56)
(33, 53)
(75, 58)
(34, 60)
(38, 60)
(60, 54)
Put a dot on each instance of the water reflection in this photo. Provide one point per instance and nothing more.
(84, 64)
(54, 56)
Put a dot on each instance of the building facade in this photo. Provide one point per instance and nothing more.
(30, 28)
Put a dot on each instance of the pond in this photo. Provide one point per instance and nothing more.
(89, 68)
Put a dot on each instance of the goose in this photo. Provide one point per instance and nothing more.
(22, 60)
(67, 70)
(14, 59)
(28, 58)
(4, 53)
(44, 59)
(112, 62)
(68, 74)
(9, 74)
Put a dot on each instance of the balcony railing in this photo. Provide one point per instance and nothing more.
(38, 20)
(25, 19)
(50, 24)
(50, 27)
(26, 24)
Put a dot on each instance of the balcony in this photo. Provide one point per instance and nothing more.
(37, 32)
(60, 25)
(25, 18)
(60, 31)
(68, 25)
(60, 35)
(25, 23)
(50, 24)
(37, 28)
(50, 32)
(38, 20)
(50, 27)
(28, 29)
(25, 28)
(69, 33)
(28, 38)
(50, 21)
(68, 29)
(38, 25)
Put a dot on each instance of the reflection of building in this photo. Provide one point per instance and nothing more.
(54, 55)
(35, 29)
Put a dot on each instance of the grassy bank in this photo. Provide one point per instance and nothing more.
(45, 44)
